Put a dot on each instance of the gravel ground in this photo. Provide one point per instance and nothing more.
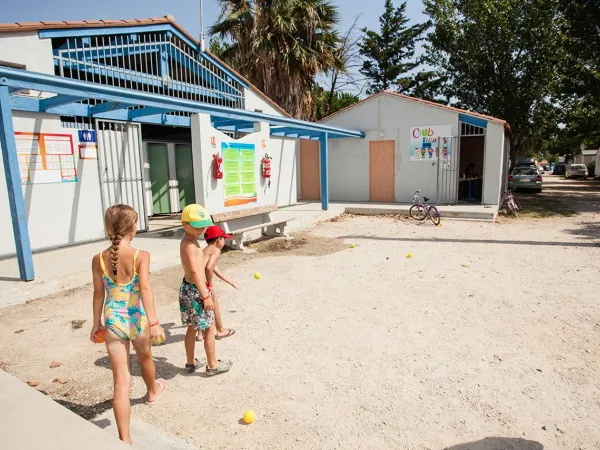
(487, 338)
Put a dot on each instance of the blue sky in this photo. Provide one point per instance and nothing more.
(186, 12)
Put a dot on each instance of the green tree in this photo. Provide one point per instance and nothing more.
(390, 53)
(327, 103)
(281, 46)
(500, 58)
(218, 47)
(580, 87)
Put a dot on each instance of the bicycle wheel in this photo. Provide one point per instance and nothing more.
(434, 215)
(517, 204)
(512, 207)
(417, 212)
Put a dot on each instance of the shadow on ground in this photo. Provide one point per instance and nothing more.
(498, 443)
(586, 231)
(477, 241)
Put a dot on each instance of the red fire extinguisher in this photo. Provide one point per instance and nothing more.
(266, 168)
(216, 165)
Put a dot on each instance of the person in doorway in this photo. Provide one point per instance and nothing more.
(470, 171)
(215, 239)
(195, 302)
(129, 312)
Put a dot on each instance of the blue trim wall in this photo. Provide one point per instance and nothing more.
(478, 122)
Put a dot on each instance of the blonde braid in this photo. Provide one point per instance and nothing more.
(114, 253)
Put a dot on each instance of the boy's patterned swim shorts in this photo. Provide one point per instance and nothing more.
(191, 307)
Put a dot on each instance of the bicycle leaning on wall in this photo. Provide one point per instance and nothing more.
(422, 210)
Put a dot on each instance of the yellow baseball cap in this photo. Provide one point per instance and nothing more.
(196, 216)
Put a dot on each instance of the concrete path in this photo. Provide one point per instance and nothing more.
(30, 420)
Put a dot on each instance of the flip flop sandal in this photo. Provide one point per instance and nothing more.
(230, 333)
(163, 388)
(191, 368)
(221, 368)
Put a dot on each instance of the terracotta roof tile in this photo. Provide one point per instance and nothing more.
(29, 24)
(54, 24)
(8, 26)
(93, 22)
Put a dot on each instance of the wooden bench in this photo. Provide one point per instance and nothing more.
(236, 223)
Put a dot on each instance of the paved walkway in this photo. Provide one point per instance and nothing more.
(32, 420)
(69, 267)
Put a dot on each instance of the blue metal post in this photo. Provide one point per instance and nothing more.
(324, 152)
(13, 185)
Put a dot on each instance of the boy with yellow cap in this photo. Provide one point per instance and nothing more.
(195, 302)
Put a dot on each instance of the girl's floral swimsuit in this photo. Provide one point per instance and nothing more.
(124, 313)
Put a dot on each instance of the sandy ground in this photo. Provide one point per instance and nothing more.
(487, 338)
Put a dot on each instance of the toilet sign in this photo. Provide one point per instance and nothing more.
(87, 136)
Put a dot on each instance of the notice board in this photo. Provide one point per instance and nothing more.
(239, 173)
(45, 158)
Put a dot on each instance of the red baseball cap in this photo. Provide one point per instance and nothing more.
(214, 232)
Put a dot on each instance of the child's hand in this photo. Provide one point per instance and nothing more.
(157, 335)
(94, 332)
(208, 304)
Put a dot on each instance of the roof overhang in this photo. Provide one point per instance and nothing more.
(136, 106)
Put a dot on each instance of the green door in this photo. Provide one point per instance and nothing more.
(185, 175)
(159, 178)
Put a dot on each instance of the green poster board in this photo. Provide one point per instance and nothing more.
(239, 173)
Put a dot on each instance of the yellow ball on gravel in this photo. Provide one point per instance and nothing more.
(352, 245)
(248, 417)
(409, 255)
(257, 275)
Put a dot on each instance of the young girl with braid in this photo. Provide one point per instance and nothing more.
(122, 290)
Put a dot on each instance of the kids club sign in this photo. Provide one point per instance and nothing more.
(426, 143)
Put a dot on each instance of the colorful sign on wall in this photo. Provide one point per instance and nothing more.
(239, 170)
(45, 158)
(427, 142)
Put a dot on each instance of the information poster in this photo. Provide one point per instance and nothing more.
(427, 142)
(239, 173)
(45, 158)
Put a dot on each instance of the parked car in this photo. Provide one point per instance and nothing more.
(577, 171)
(526, 162)
(525, 177)
(541, 169)
(559, 169)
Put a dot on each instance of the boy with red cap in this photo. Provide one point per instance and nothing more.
(215, 238)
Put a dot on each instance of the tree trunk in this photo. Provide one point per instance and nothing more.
(515, 151)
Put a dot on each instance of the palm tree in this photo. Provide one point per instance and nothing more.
(281, 46)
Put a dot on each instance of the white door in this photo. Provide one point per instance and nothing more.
(120, 166)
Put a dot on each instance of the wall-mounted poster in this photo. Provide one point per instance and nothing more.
(425, 143)
(45, 158)
(239, 173)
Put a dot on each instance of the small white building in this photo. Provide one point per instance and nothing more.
(410, 145)
(587, 157)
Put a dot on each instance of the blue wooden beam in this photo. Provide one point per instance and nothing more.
(13, 185)
(65, 86)
(107, 107)
(324, 154)
(57, 100)
(134, 113)
(111, 31)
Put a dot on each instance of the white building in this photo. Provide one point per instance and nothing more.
(410, 144)
(130, 111)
